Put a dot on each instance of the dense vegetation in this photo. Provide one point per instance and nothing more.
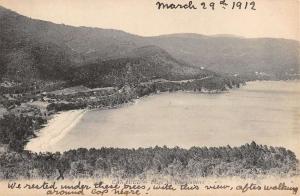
(34, 49)
(256, 58)
(245, 161)
(20, 123)
(15, 131)
(134, 70)
(39, 57)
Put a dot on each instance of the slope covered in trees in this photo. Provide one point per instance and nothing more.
(245, 161)
(273, 58)
(37, 57)
(33, 49)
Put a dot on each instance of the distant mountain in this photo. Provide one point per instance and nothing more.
(34, 49)
(277, 58)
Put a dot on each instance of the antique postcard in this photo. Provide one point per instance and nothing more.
(149, 97)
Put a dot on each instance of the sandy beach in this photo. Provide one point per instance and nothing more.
(55, 130)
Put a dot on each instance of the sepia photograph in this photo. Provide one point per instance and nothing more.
(149, 97)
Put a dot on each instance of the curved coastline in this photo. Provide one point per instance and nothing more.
(56, 129)
(62, 123)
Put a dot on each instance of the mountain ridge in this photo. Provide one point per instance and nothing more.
(58, 48)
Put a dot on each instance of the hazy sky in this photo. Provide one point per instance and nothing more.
(273, 18)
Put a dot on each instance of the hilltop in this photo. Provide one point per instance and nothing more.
(274, 58)
(33, 49)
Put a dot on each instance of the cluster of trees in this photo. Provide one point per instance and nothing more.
(96, 102)
(247, 160)
(16, 130)
(80, 102)
(210, 84)
(128, 93)
(133, 71)
(16, 89)
(24, 92)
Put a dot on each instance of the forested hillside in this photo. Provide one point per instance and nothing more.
(261, 57)
(34, 49)
(46, 68)
(246, 161)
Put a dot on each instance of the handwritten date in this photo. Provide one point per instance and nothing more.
(211, 5)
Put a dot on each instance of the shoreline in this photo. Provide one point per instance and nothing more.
(60, 123)
(56, 129)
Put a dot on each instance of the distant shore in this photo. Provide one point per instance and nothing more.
(62, 122)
